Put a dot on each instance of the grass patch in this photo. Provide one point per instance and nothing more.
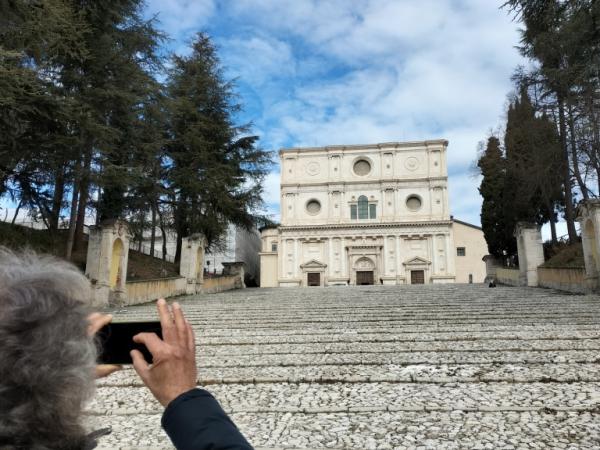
(564, 255)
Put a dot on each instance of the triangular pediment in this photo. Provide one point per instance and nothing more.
(416, 261)
(313, 264)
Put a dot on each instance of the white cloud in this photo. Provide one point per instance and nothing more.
(363, 71)
(258, 59)
(181, 18)
(271, 188)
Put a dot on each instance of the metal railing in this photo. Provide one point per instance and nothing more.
(146, 250)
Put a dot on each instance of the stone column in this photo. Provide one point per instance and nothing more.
(106, 264)
(531, 252)
(588, 216)
(191, 266)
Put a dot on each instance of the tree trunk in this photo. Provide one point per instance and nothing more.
(72, 220)
(16, 213)
(57, 198)
(569, 212)
(574, 157)
(552, 216)
(141, 236)
(553, 231)
(164, 242)
(163, 232)
(84, 193)
(153, 229)
(178, 247)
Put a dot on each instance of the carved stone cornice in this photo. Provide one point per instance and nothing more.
(381, 146)
(356, 226)
(394, 183)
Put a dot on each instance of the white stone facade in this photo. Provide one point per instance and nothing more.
(362, 214)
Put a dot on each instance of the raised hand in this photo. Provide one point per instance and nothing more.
(173, 370)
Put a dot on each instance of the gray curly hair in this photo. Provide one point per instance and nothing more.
(47, 359)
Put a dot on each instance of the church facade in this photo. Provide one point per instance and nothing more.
(368, 214)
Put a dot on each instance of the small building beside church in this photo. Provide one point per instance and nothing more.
(368, 214)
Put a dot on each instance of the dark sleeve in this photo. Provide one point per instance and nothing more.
(196, 421)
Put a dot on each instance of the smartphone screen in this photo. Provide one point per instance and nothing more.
(117, 341)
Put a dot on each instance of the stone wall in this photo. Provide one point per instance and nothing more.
(570, 279)
(507, 276)
(220, 284)
(144, 291)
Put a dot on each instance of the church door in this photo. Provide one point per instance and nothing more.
(417, 277)
(314, 279)
(364, 277)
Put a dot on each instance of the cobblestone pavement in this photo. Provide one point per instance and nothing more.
(383, 367)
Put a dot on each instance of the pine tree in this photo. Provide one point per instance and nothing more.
(563, 38)
(34, 111)
(498, 234)
(216, 168)
(533, 183)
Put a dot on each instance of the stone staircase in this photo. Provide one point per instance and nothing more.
(383, 367)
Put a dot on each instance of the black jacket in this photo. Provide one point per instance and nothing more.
(196, 421)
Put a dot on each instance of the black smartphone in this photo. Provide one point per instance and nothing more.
(117, 341)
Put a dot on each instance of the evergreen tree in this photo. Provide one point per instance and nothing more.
(533, 185)
(35, 141)
(498, 234)
(563, 38)
(215, 168)
(82, 112)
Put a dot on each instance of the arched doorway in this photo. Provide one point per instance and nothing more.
(115, 263)
(365, 271)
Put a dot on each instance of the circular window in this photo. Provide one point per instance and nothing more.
(413, 203)
(362, 167)
(313, 207)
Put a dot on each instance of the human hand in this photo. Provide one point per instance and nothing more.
(95, 323)
(173, 370)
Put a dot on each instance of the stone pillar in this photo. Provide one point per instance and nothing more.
(531, 252)
(491, 264)
(191, 266)
(235, 269)
(106, 265)
(588, 216)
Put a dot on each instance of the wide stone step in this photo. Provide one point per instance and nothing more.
(575, 359)
(566, 373)
(516, 330)
(406, 346)
(390, 336)
(357, 397)
(380, 430)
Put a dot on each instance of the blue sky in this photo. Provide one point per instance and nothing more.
(330, 72)
(327, 72)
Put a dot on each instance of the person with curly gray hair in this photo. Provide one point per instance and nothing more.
(48, 363)
(47, 352)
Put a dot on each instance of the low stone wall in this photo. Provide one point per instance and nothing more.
(144, 291)
(220, 284)
(507, 276)
(570, 279)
